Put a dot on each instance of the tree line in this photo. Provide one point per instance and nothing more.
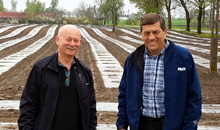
(105, 10)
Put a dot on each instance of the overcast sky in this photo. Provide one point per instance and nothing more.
(69, 5)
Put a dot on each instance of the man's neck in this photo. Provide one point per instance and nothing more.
(65, 60)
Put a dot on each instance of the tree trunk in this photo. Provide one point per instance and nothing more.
(169, 20)
(167, 5)
(187, 22)
(199, 27)
(214, 39)
(113, 21)
(210, 17)
(187, 15)
(203, 17)
(104, 21)
(116, 19)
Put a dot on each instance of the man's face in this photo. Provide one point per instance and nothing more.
(153, 37)
(69, 42)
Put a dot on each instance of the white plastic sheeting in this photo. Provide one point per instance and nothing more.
(109, 67)
(31, 34)
(17, 31)
(9, 27)
(104, 106)
(123, 45)
(7, 62)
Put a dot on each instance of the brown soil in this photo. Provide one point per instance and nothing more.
(23, 33)
(9, 30)
(13, 81)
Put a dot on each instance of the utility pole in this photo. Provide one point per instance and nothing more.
(214, 35)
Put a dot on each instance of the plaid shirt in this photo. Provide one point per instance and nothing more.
(153, 85)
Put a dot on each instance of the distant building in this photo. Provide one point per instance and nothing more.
(123, 18)
(6, 17)
(49, 15)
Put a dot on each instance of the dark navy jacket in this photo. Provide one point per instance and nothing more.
(182, 90)
(39, 98)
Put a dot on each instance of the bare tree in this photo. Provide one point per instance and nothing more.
(89, 13)
(113, 7)
(188, 19)
(201, 5)
(215, 37)
(81, 9)
(13, 5)
(169, 8)
(98, 10)
(86, 13)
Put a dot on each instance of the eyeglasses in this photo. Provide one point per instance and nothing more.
(67, 81)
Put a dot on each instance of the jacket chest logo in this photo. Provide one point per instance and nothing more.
(181, 69)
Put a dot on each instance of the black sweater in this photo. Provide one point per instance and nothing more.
(68, 113)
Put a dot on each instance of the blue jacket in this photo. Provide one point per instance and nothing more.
(182, 90)
(39, 98)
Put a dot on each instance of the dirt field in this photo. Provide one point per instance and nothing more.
(12, 82)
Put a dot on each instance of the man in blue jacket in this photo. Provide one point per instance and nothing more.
(160, 88)
(59, 93)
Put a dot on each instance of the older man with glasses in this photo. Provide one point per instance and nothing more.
(59, 93)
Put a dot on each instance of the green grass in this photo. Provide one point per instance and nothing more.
(129, 26)
(191, 28)
(180, 21)
(205, 35)
(122, 22)
(176, 24)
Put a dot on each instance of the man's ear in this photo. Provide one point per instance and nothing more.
(166, 31)
(57, 40)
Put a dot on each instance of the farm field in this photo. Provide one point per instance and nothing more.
(104, 52)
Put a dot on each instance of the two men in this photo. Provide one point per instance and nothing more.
(160, 88)
(59, 93)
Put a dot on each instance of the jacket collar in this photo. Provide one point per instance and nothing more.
(168, 52)
(137, 57)
(53, 62)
